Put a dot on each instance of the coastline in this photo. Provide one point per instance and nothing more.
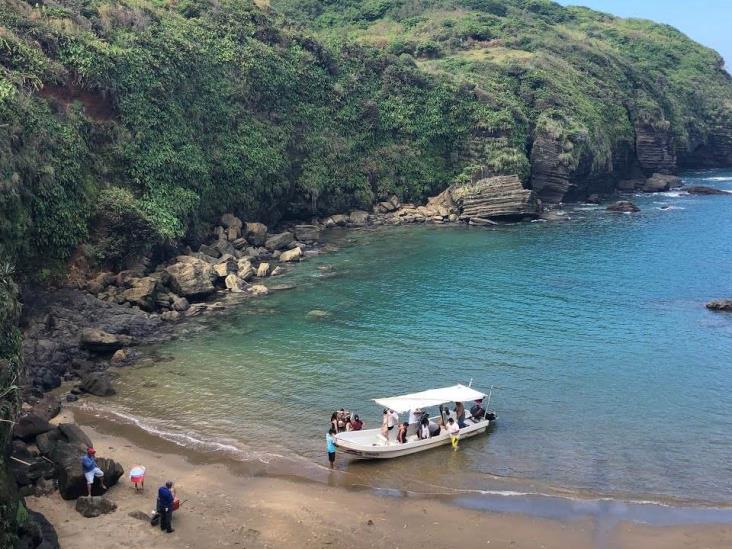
(230, 507)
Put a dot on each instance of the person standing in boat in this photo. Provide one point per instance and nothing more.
(460, 413)
(392, 420)
(424, 429)
(402, 434)
(453, 429)
(330, 446)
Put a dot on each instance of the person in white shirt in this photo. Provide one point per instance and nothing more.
(415, 416)
(392, 420)
(424, 429)
(454, 431)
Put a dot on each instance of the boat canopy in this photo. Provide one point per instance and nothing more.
(433, 397)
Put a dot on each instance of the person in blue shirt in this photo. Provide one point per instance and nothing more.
(91, 470)
(166, 496)
(330, 446)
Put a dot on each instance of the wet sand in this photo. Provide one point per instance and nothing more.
(229, 508)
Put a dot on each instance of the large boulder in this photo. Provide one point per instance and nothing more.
(192, 278)
(291, 255)
(501, 197)
(307, 233)
(623, 206)
(28, 426)
(97, 383)
(180, 304)
(279, 241)
(73, 434)
(99, 341)
(255, 233)
(225, 266)
(71, 481)
(46, 442)
(263, 270)
(37, 532)
(143, 293)
(660, 182)
(232, 283)
(48, 407)
(245, 269)
(209, 251)
(722, 305)
(95, 506)
(358, 218)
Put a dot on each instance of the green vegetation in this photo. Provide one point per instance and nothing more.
(133, 123)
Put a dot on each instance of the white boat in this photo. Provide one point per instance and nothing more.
(371, 443)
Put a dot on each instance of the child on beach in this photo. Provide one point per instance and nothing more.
(330, 446)
(454, 431)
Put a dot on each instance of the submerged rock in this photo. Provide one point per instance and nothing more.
(258, 289)
(317, 314)
(623, 206)
(701, 189)
(722, 305)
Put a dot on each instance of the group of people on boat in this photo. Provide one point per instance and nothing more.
(341, 421)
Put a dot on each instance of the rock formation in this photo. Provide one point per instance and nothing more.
(722, 305)
(623, 206)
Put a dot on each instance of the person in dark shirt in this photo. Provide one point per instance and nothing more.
(477, 411)
(357, 424)
(166, 496)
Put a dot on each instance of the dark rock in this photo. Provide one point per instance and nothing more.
(700, 189)
(94, 506)
(97, 383)
(630, 185)
(225, 247)
(71, 398)
(209, 251)
(75, 435)
(37, 533)
(48, 407)
(28, 426)
(139, 515)
(46, 442)
(180, 304)
(594, 199)
(46, 379)
(721, 305)
(99, 341)
(71, 481)
(623, 206)
(659, 182)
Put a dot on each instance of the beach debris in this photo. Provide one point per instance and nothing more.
(370, 522)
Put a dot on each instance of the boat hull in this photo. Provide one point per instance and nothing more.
(361, 448)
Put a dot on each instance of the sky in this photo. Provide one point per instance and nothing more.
(706, 21)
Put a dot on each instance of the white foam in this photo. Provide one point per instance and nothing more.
(727, 178)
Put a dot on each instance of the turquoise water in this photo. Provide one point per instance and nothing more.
(611, 378)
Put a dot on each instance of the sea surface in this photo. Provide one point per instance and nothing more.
(609, 376)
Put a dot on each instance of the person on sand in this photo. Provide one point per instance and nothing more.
(460, 413)
(453, 429)
(357, 424)
(402, 434)
(166, 497)
(91, 470)
(330, 446)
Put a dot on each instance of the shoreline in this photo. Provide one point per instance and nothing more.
(226, 507)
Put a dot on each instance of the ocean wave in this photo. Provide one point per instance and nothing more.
(718, 178)
(181, 439)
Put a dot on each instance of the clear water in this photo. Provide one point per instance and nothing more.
(611, 378)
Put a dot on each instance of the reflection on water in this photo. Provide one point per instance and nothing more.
(611, 377)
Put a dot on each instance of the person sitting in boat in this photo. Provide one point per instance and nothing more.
(424, 429)
(476, 411)
(460, 413)
(434, 429)
(402, 434)
(357, 424)
(349, 426)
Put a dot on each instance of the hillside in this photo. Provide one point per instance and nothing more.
(571, 99)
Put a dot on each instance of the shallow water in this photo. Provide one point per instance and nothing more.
(611, 378)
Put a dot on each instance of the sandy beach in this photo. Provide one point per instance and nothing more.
(224, 509)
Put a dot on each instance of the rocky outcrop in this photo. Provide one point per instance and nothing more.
(98, 384)
(701, 189)
(623, 206)
(654, 145)
(99, 341)
(28, 426)
(501, 197)
(95, 506)
(255, 233)
(279, 241)
(143, 293)
(720, 305)
(550, 175)
(191, 277)
(358, 218)
(307, 233)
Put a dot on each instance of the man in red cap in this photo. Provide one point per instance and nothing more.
(91, 470)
